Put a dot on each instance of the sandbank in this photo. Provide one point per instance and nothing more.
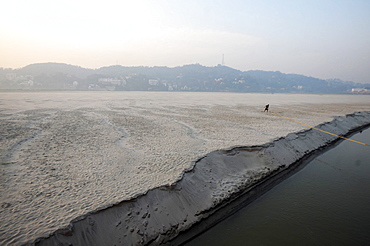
(97, 163)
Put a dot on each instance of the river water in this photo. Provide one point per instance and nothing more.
(326, 203)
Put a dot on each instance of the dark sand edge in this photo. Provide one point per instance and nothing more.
(239, 201)
(218, 184)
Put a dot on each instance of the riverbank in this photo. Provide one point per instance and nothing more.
(165, 215)
(324, 203)
(64, 155)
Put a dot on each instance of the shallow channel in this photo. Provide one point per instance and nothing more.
(325, 203)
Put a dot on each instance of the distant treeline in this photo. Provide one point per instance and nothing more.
(195, 77)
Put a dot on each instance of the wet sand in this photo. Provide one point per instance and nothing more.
(66, 154)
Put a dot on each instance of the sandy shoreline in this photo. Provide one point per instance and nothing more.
(64, 155)
(206, 193)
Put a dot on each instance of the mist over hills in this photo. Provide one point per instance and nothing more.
(194, 77)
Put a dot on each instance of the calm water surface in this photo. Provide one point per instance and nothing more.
(326, 203)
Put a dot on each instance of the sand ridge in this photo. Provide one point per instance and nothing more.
(65, 154)
(218, 184)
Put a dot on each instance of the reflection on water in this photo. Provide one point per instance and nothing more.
(326, 203)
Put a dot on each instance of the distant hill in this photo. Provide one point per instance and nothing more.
(194, 77)
(54, 68)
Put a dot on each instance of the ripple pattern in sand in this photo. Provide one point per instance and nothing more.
(65, 154)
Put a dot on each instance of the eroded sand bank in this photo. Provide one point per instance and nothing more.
(66, 154)
(164, 215)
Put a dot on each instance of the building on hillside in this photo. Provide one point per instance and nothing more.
(360, 91)
(11, 76)
(110, 81)
(153, 81)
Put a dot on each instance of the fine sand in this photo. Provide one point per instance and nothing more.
(66, 154)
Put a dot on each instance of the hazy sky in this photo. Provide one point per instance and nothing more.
(319, 38)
